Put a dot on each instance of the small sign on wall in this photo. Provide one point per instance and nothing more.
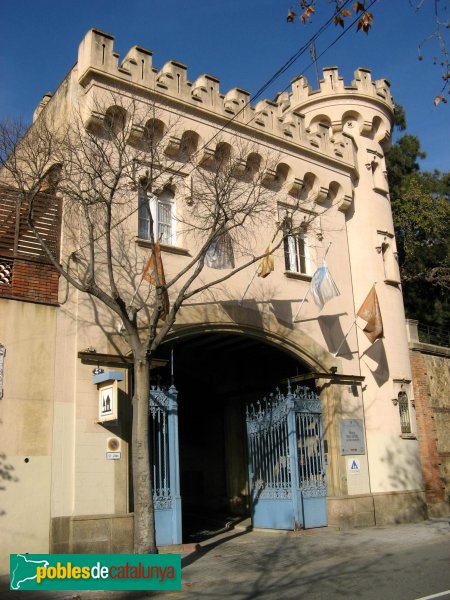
(354, 466)
(352, 436)
(113, 448)
(107, 401)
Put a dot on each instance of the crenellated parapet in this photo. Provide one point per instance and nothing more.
(367, 102)
(332, 86)
(277, 118)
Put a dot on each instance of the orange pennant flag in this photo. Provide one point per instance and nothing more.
(266, 265)
(370, 312)
(149, 275)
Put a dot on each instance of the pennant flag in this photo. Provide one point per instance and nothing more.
(266, 265)
(149, 275)
(322, 286)
(370, 312)
(220, 253)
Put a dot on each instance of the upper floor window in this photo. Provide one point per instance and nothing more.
(162, 210)
(296, 254)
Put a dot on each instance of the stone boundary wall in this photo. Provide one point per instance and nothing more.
(369, 510)
(101, 534)
(114, 533)
(431, 384)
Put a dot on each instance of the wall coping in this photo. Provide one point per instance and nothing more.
(429, 349)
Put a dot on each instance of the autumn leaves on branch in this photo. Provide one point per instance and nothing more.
(308, 9)
(305, 10)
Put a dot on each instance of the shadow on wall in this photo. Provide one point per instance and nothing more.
(6, 476)
(377, 354)
(404, 475)
(233, 310)
(333, 334)
(404, 466)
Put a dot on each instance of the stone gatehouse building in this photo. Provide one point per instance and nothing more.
(318, 159)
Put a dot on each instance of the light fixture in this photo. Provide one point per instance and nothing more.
(98, 370)
(333, 370)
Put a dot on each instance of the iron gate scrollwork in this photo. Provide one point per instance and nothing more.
(163, 434)
(286, 460)
(307, 409)
(270, 472)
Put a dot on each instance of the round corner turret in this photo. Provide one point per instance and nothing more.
(364, 107)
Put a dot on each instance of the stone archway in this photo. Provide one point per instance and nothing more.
(223, 362)
(229, 317)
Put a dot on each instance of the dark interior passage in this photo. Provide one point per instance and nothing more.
(216, 376)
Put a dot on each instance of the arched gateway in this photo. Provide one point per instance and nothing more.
(232, 436)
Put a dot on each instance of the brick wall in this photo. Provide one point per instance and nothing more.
(25, 270)
(431, 384)
(32, 281)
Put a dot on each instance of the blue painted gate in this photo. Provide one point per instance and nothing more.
(163, 414)
(286, 461)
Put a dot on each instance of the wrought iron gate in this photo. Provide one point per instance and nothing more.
(286, 461)
(163, 411)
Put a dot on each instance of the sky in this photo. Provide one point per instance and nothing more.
(242, 42)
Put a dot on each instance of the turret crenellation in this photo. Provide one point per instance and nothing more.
(284, 117)
(332, 84)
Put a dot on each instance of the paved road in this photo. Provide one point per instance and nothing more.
(403, 562)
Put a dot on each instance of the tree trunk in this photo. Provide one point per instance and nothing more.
(144, 517)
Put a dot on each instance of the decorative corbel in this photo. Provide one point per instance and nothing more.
(294, 186)
(288, 128)
(345, 203)
(172, 146)
(322, 194)
(366, 128)
(261, 118)
(161, 80)
(198, 93)
(336, 126)
(94, 120)
(136, 134)
(239, 167)
(268, 177)
(338, 148)
(231, 106)
(314, 138)
(207, 157)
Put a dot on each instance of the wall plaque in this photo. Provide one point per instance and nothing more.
(352, 436)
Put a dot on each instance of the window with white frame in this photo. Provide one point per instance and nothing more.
(296, 253)
(162, 210)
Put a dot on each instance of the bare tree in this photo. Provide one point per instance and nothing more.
(105, 172)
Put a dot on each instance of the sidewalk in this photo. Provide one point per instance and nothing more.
(377, 562)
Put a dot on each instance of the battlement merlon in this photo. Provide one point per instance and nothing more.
(282, 117)
(96, 52)
(332, 86)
